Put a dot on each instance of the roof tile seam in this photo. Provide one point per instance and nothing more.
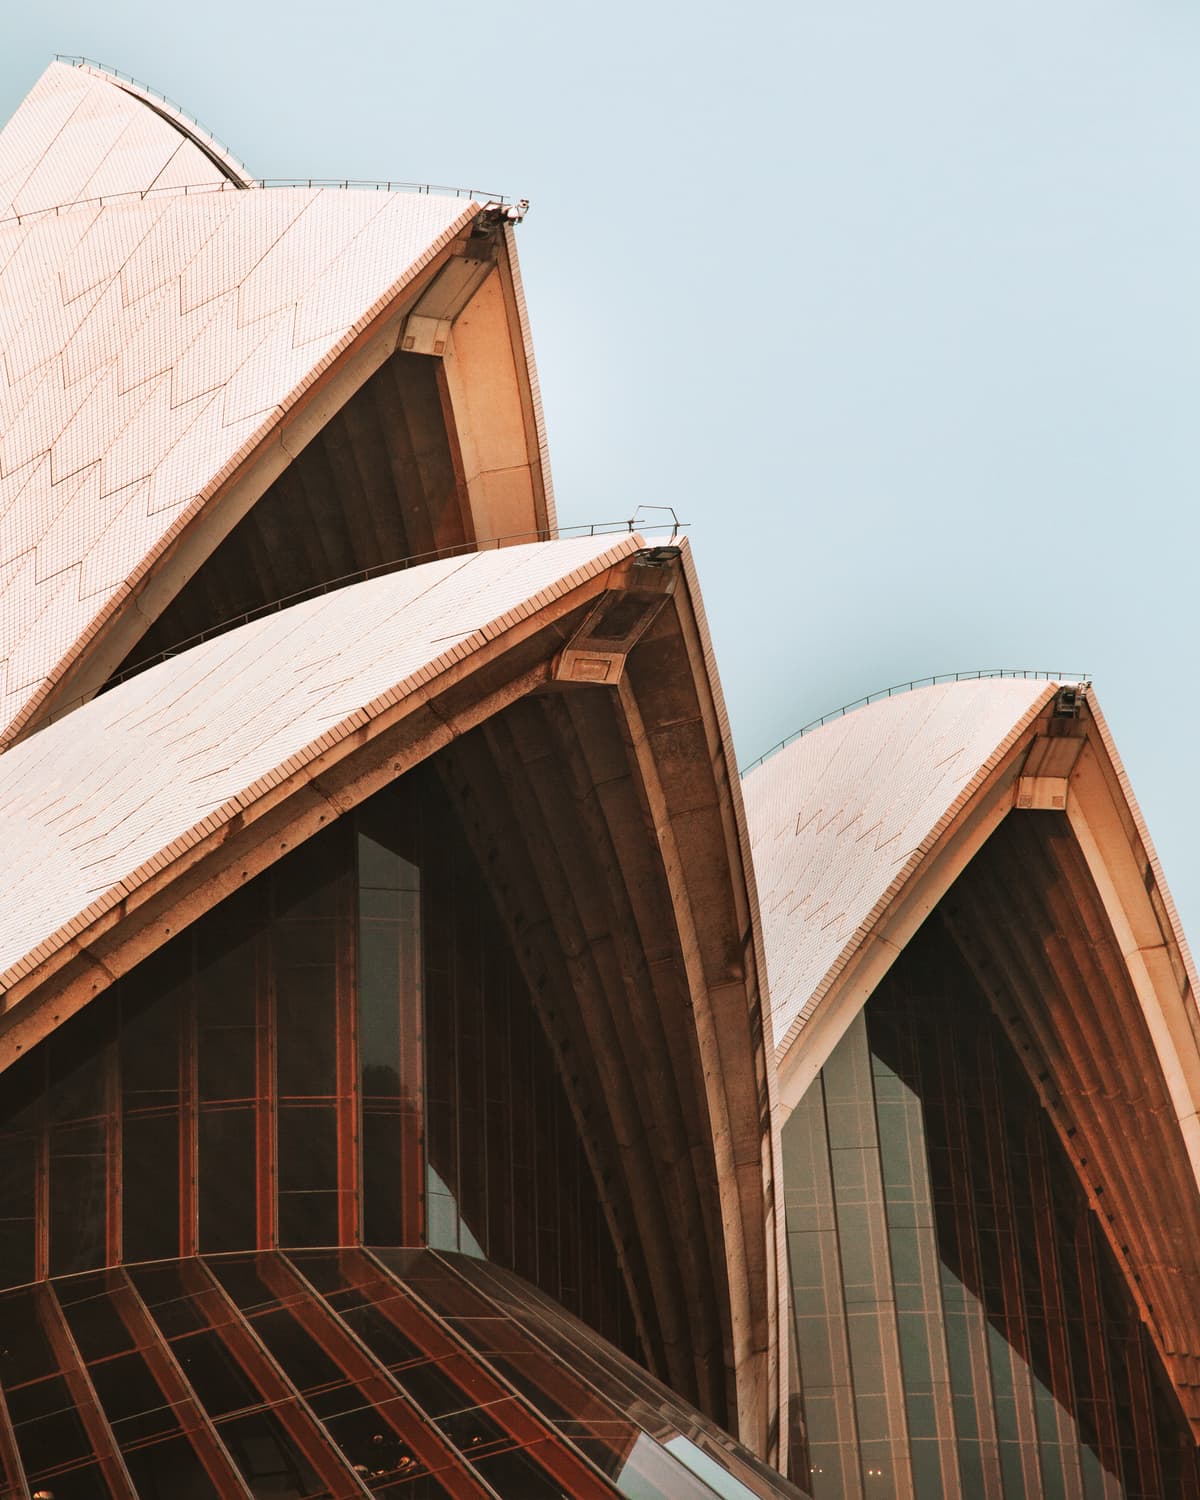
(204, 497)
(244, 800)
(189, 129)
(863, 931)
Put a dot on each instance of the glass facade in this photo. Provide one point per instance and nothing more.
(343, 1052)
(961, 1326)
(337, 1372)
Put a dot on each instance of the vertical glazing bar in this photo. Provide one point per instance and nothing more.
(11, 1470)
(266, 1112)
(1149, 1469)
(865, 1258)
(83, 1396)
(818, 1303)
(188, 1151)
(112, 1149)
(392, 1405)
(42, 1173)
(1016, 1418)
(388, 976)
(194, 1421)
(412, 1064)
(915, 1275)
(1105, 1485)
(948, 1090)
(272, 1385)
(527, 1428)
(1057, 1423)
(349, 1174)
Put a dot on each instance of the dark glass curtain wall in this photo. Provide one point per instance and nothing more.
(323, 1373)
(961, 1326)
(343, 1052)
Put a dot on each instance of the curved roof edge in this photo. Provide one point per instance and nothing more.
(165, 794)
(200, 137)
(777, 1288)
(843, 819)
(1143, 833)
(1070, 931)
(427, 621)
(531, 378)
(291, 423)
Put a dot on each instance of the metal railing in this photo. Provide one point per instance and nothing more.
(1029, 674)
(398, 565)
(138, 195)
(358, 184)
(379, 185)
(76, 60)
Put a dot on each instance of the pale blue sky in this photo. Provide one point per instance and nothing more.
(896, 303)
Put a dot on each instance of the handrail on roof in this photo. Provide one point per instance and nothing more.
(138, 195)
(358, 183)
(77, 60)
(397, 565)
(1029, 674)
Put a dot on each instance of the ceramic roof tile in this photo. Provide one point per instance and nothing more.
(153, 340)
(838, 815)
(89, 799)
(82, 134)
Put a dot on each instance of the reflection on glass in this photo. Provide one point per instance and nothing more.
(323, 1373)
(960, 1325)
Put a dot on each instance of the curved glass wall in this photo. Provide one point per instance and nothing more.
(321, 1373)
(343, 1052)
(961, 1326)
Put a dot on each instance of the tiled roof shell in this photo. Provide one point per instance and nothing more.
(81, 134)
(840, 818)
(147, 346)
(95, 802)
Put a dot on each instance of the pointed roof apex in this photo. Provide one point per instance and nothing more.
(840, 818)
(83, 134)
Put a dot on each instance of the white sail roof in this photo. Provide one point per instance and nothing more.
(94, 803)
(841, 817)
(83, 134)
(146, 348)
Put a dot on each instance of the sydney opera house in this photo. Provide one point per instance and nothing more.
(429, 1068)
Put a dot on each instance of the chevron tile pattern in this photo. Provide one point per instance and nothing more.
(147, 346)
(837, 816)
(81, 135)
(122, 783)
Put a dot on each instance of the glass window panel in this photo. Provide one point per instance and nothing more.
(227, 1178)
(379, 977)
(306, 1035)
(170, 1470)
(226, 1014)
(388, 1169)
(151, 1004)
(150, 1169)
(20, 1142)
(305, 884)
(48, 1429)
(239, 1275)
(135, 1407)
(307, 1148)
(270, 1462)
(163, 1291)
(78, 1196)
(308, 1219)
(96, 1326)
(75, 1481)
(219, 1382)
(515, 1475)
